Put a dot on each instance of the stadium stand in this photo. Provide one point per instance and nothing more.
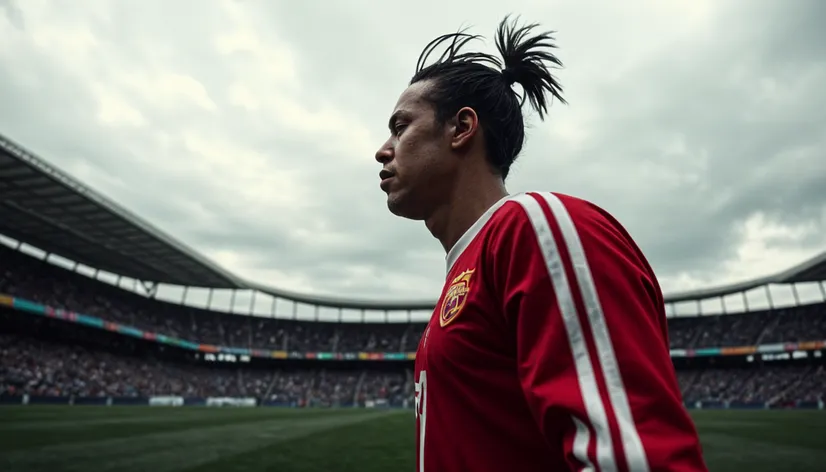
(67, 337)
(43, 356)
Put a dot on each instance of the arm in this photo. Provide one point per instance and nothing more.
(591, 342)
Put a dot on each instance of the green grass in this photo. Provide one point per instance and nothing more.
(125, 439)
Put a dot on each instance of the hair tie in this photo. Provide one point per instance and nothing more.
(509, 75)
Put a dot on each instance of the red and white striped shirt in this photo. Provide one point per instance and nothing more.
(548, 350)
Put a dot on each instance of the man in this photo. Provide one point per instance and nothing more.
(548, 348)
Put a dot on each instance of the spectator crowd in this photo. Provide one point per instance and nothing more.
(39, 367)
(45, 368)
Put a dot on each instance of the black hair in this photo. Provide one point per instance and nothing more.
(485, 83)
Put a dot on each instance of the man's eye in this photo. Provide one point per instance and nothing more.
(399, 128)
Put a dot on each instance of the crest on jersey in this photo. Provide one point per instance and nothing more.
(455, 297)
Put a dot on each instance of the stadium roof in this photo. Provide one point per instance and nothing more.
(46, 208)
(812, 270)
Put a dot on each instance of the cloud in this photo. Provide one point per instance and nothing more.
(12, 13)
(247, 128)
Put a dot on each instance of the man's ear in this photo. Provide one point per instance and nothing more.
(466, 126)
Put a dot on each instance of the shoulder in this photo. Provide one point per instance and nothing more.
(536, 210)
(538, 234)
(558, 220)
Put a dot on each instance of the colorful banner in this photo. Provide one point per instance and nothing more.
(94, 322)
(395, 356)
(738, 351)
(778, 347)
(747, 350)
(811, 345)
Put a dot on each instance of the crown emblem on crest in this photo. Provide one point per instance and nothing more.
(455, 297)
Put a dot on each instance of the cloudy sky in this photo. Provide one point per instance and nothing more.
(247, 128)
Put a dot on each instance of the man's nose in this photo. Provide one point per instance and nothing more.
(384, 154)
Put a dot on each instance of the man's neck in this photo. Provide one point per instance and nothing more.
(471, 200)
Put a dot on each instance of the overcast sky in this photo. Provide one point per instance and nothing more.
(247, 129)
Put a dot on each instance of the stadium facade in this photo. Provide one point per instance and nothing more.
(54, 226)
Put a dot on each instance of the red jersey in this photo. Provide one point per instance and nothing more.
(548, 350)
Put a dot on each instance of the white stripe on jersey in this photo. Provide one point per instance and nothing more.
(591, 398)
(631, 443)
(581, 441)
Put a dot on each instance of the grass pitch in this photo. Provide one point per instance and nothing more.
(159, 439)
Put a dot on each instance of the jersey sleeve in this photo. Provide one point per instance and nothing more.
(588, 326)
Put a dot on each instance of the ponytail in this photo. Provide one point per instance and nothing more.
(526, 60)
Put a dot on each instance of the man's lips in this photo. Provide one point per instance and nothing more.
(386, 176)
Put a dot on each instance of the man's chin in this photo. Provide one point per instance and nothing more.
(397, 207)
(394, 207)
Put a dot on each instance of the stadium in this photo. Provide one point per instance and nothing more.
(100, 373)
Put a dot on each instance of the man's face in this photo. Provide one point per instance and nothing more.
(417, 164)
